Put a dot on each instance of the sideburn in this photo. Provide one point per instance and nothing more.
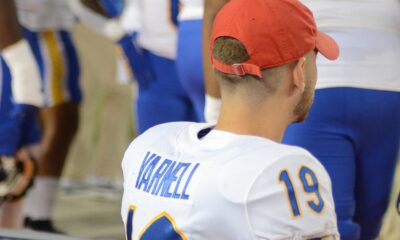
(303, 106)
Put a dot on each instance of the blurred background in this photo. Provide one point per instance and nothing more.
(90, 193)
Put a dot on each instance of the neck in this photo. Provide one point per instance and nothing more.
(268, 121)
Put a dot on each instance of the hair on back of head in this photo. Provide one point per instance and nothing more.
(229, 50)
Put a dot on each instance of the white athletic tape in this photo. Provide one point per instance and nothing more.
(26, 83)
(212, 109)
(113, 30)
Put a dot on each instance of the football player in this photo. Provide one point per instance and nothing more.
(146, 32)
(236, 180)
(45, 26)
(20, 96)
(189, 57)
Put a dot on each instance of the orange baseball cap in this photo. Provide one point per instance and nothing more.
(274, 33)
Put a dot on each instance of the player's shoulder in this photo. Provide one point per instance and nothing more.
(263, 146)
(288, 156)
(170, 126)
(291, 159)
(161, 137)
(294, 175)
(296, 154)
(261, 163)
(165, 129)
(285, 149)
(273, 154)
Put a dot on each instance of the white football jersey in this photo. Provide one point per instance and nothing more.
(40, 15)
(180, 184)
(191, 10)
(368, 34)
(154, 21)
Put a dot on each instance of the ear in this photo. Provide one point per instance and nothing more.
(298, 74)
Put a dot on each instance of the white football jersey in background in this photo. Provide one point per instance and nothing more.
(191, 9)
(152, 19)
(368, 34)
(41, 15)
(222, 186)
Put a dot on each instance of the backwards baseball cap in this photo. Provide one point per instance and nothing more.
(274, 33)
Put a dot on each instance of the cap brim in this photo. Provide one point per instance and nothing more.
(327, 46)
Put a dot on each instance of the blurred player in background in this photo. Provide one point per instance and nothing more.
(146, 32)
(236, 181)
(189, 56)
(45, 25)
(354, 124)
(20, 96)
(213, 95)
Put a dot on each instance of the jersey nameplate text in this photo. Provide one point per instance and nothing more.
(166, 178)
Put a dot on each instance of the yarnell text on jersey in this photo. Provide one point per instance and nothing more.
(164, 177)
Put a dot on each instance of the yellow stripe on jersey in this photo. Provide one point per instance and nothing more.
(57, 72)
